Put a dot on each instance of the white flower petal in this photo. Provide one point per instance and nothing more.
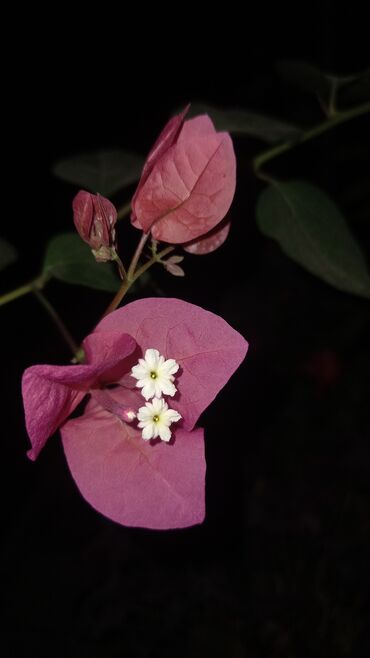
(151, 358)
(171, 416)
(147, 432)
(139, 371)
(158, 405)
(164, 432)
(144, 414)
(168, 388)
(169, 367)
(148, 390)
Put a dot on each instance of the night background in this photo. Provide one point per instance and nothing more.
(280, 567)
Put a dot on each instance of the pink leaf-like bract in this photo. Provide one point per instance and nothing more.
(132, 482)
(190, 186)
(209, 242)
(207, 349)
(147, 484)
(51, 393)
(166, 139)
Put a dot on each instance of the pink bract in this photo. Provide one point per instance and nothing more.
(211, 241)
(188, 181)
(133, 482)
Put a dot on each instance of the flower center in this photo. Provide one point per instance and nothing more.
(153, 375)
(155, 419)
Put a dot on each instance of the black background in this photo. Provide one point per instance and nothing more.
(280, 567)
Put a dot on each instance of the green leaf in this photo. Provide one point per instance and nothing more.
(309, 78)
(244, 122)
(69, 259)
(8, 254)
(105, 172)
(313, 232)
(357, 91)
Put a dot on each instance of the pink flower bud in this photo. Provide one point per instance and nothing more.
(95, 217)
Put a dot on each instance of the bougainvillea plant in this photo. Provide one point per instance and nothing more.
(142, 377)
(139, 382)
(151, 368)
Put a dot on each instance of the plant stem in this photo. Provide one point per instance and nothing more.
(137, 255)
(35, 284)
(57, 320)
(132, 277)
(156, 259)
(121, 267)
(331, 122)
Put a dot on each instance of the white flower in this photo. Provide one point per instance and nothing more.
(155, 375)
(155, 420)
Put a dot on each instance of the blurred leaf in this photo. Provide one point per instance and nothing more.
(358, 90)
(8, 254)
(243, 122)
(105, 172)
(69, 259)
(312, 231)
(308, 77)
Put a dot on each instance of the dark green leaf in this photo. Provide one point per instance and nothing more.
(69, 259)
(357, 91)
(312, 231)
(105, 172)
(308, 77)
(8, 254)
(244, 122)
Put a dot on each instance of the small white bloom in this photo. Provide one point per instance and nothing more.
(155, 375)
(155, 420)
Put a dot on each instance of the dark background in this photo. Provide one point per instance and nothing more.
(280, 567)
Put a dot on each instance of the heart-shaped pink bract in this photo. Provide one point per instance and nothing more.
(149, 484)
(188, 181)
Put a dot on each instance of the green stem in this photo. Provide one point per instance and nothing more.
(36, 284)
(57, 321)
(331, 109)
(331, 122)
(126, 285)
(120, 266)
(137, 255)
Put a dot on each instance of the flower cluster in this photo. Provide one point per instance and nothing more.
(155, 378)
(142, 463)
(136, 482)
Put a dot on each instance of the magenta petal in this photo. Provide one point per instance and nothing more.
(51, 393)
(206, 347)
(209, 242)
(109, 352)
(197, 127)
(166, 139)
(83, 213)
(133, 482)
(48, 399)
(189, 190)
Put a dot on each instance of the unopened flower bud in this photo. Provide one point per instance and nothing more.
(95, 217)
